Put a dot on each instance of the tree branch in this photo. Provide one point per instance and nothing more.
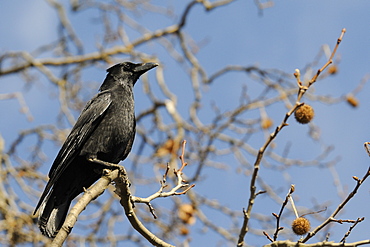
(123, 191)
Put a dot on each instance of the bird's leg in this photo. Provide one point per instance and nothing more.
(104, 164)
(108, 165)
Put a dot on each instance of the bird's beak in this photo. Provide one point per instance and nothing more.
(144, 67)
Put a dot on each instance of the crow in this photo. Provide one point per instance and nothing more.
(104, 131)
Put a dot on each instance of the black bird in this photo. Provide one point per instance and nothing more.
(104, 131)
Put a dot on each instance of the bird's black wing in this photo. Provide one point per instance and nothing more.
(89, 119)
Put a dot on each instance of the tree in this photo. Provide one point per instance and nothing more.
(203, 93)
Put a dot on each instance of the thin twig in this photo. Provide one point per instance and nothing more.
(278, 217)
(267, 236)
(351, 228)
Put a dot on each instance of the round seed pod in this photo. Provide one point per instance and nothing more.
(304, 114)
(301, 226)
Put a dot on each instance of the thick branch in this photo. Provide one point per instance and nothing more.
(123, 191)
(288, 243)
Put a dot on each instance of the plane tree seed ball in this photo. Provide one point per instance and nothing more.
(301, 226)
(304, 114)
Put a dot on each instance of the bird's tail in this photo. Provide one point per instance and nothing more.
(54, 207)
(52, 216)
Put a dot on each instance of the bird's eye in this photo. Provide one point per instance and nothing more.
(126, 67)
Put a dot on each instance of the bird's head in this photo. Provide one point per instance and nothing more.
(125, 73)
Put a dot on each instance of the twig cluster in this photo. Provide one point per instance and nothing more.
(301, 91)
(174, 191)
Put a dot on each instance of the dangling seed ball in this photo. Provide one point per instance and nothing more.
(301, 226)
(304, 114)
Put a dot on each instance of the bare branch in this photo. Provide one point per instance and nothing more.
(123, 191)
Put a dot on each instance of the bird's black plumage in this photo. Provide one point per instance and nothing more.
(105, 130)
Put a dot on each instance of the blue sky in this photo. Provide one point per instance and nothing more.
(286, 36)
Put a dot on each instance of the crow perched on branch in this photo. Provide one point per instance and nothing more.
(104, 131)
